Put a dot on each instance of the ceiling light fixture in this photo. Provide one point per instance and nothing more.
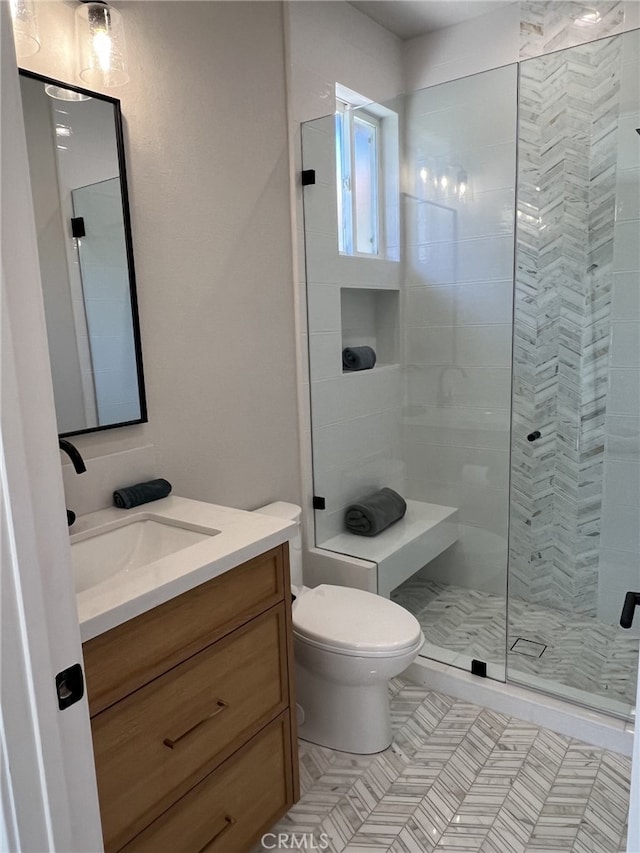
(25, 28)
(100, 45)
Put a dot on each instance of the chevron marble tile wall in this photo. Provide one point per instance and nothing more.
(557, 24)
(569, 114)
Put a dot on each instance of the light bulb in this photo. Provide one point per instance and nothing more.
(100, 45)
(102, 49)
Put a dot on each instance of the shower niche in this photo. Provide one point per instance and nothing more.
(370, 317)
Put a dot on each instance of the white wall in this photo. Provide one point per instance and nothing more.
(485, 42)
(207, 161)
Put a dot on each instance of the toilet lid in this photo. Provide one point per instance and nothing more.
(351, 619)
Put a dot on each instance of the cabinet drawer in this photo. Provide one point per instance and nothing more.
(231, 808)
(132, 654)
(153, 746)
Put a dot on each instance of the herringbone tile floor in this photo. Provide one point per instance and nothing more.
(461, 778)
(579, 652)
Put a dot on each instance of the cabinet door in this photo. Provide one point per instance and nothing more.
(230, 809)
(153, 746)
(132, 654)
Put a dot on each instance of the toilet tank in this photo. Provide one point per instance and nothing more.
(289, 512)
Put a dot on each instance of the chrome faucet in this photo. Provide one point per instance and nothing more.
(78, 463)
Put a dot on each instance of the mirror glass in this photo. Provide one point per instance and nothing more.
(78, 182)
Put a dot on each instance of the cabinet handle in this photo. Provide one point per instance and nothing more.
(220, 706)
(228, 823)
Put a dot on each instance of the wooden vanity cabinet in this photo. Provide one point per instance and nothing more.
(193, 715)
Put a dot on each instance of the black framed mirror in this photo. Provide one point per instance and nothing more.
(79, 187)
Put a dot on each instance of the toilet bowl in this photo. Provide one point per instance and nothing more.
(347, 645)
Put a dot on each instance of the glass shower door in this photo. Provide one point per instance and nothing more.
(431, 419)
(459, 210)
(575, 476)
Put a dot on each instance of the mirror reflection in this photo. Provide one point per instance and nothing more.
(74, 144)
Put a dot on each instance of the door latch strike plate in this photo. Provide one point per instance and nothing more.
(69, 686)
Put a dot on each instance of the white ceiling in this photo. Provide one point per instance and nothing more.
(410, 18)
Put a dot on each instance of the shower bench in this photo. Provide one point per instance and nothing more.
(400, 551)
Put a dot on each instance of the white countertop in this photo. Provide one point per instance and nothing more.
(243, 535)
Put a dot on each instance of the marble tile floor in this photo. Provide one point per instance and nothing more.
(580, 652)
(459, 777)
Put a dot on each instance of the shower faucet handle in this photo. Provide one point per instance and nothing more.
(631, 601)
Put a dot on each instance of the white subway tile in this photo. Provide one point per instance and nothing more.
(626, 296)
(626, 246)
(624, 392)
(323, 302)
(481, 387)
(628, 148)
(628, 195)
(325, 355)
(625, 345)
(622, 484)
(622, 438)
(458, 427)
(620, 530)
(461, 304)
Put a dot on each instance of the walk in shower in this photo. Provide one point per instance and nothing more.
(482, 236)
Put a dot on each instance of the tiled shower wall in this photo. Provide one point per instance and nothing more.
(457, 317)
(487, 42)
(569, 127)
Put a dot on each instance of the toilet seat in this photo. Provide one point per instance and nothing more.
(354, 622)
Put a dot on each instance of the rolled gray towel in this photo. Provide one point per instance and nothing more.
(375, 513)
(358, 358)
(141, 493)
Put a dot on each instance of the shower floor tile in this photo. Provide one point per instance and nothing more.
(581, 652)
(458, 777)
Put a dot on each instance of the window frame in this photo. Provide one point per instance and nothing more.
(346, 116)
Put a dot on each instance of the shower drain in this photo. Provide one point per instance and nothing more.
(529, 648)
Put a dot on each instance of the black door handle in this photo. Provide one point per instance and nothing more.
(534, 435)
(631, 601)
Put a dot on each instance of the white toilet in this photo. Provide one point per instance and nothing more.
(348, 644)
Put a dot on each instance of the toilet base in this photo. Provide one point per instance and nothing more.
(349, 718)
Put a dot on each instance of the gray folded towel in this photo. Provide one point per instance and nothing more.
(374, 513)
(141, 493)
(358, 358)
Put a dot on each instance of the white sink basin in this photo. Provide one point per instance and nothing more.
(130, 545)
(126, 562)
